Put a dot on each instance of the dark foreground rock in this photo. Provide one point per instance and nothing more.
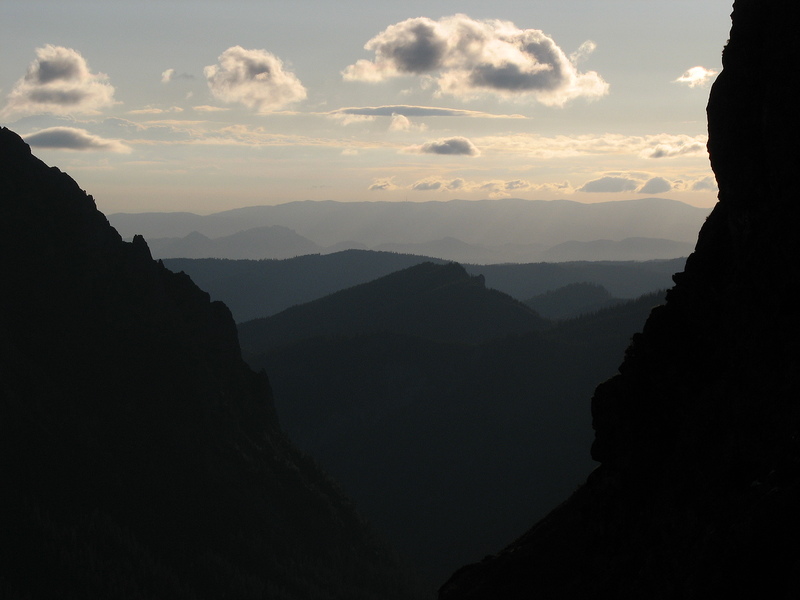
(698, 436)
(140, 456)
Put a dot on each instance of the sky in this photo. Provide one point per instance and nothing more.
(204, 106)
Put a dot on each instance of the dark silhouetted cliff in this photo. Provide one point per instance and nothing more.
(698, 436)
(140, 456)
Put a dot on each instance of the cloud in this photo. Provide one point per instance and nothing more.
(495, 188)
(416, 111)
(59, 82)
(450, 146)
(72, 138)
(255, 78)
(696, 77)
(172, 75)
(403, 123)
(609, 184)
(676, 145)
(424, 185)
(349, 119)
(152, 110)
(383, 184)
(583, 52)
(655, 185)
(207, 108)
(562, 146)
(705, 184)
(468, 57)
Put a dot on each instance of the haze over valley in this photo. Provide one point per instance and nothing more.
(478, 232)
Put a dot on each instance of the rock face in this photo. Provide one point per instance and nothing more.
(698, 436)
(140, 456)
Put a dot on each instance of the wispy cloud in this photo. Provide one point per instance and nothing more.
(654, 146)
(467, 57)
(255, 78)
(696, 77)
(73, 138)
(491, 188)
(59, 81)
(207, 108)
(153, 110)
(417, 111)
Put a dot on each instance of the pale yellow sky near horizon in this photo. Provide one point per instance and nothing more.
(207, 106)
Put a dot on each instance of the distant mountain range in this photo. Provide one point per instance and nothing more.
(261, 288)
(481, 232)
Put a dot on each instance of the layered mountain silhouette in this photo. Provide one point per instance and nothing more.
(447, 410)
(262, 288)
(258, 242)
(697, 436)
(480, 232)
(140, 456)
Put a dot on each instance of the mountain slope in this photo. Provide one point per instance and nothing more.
(447, 446)
(697, 492)
(140, 456)
(572, 300)
(439, 302)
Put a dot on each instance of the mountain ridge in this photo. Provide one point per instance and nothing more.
(141, 456)
(488, 223)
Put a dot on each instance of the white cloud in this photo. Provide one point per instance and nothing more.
(403, 123)
(383, 184)
(449, 146)
(655, 185)
(610, 184)
(255, 78)
(425, 185)
(704, 184)
(469, 57)
(73, 138)
(60, 82)
(696, 76)
(668, 146)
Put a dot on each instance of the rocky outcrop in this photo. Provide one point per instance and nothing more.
(698, 435)
(140, 456)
